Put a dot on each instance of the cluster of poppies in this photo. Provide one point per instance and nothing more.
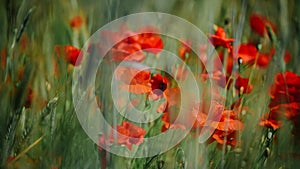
(284, 98)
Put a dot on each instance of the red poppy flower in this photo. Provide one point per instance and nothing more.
(225, 127)
(259, 24)
(128, 52)
(76, 22)
(219, 38)
(272, 120)
(285, 101)
(137, 82)
(247, 52)
(289, 110)
(128, 134)
(131, 48)
(286, 88)
(158, 84)
(270, 123)
(71, 54)
(151, 42)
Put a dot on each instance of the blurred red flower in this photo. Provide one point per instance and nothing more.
(70, 53)
(285, 101)
(286, 88)
(287, 57)
(76, 22)
(127, 51)
(149, 42)
(132, 47)
(259, 24)
(247, 52)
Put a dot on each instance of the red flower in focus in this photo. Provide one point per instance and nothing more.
(259, 24)
(158, 86)
(70, 53)
(128, 134)
(219, 38)
(158, 82)
(76, 22)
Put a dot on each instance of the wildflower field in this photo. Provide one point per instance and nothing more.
(130, 84)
